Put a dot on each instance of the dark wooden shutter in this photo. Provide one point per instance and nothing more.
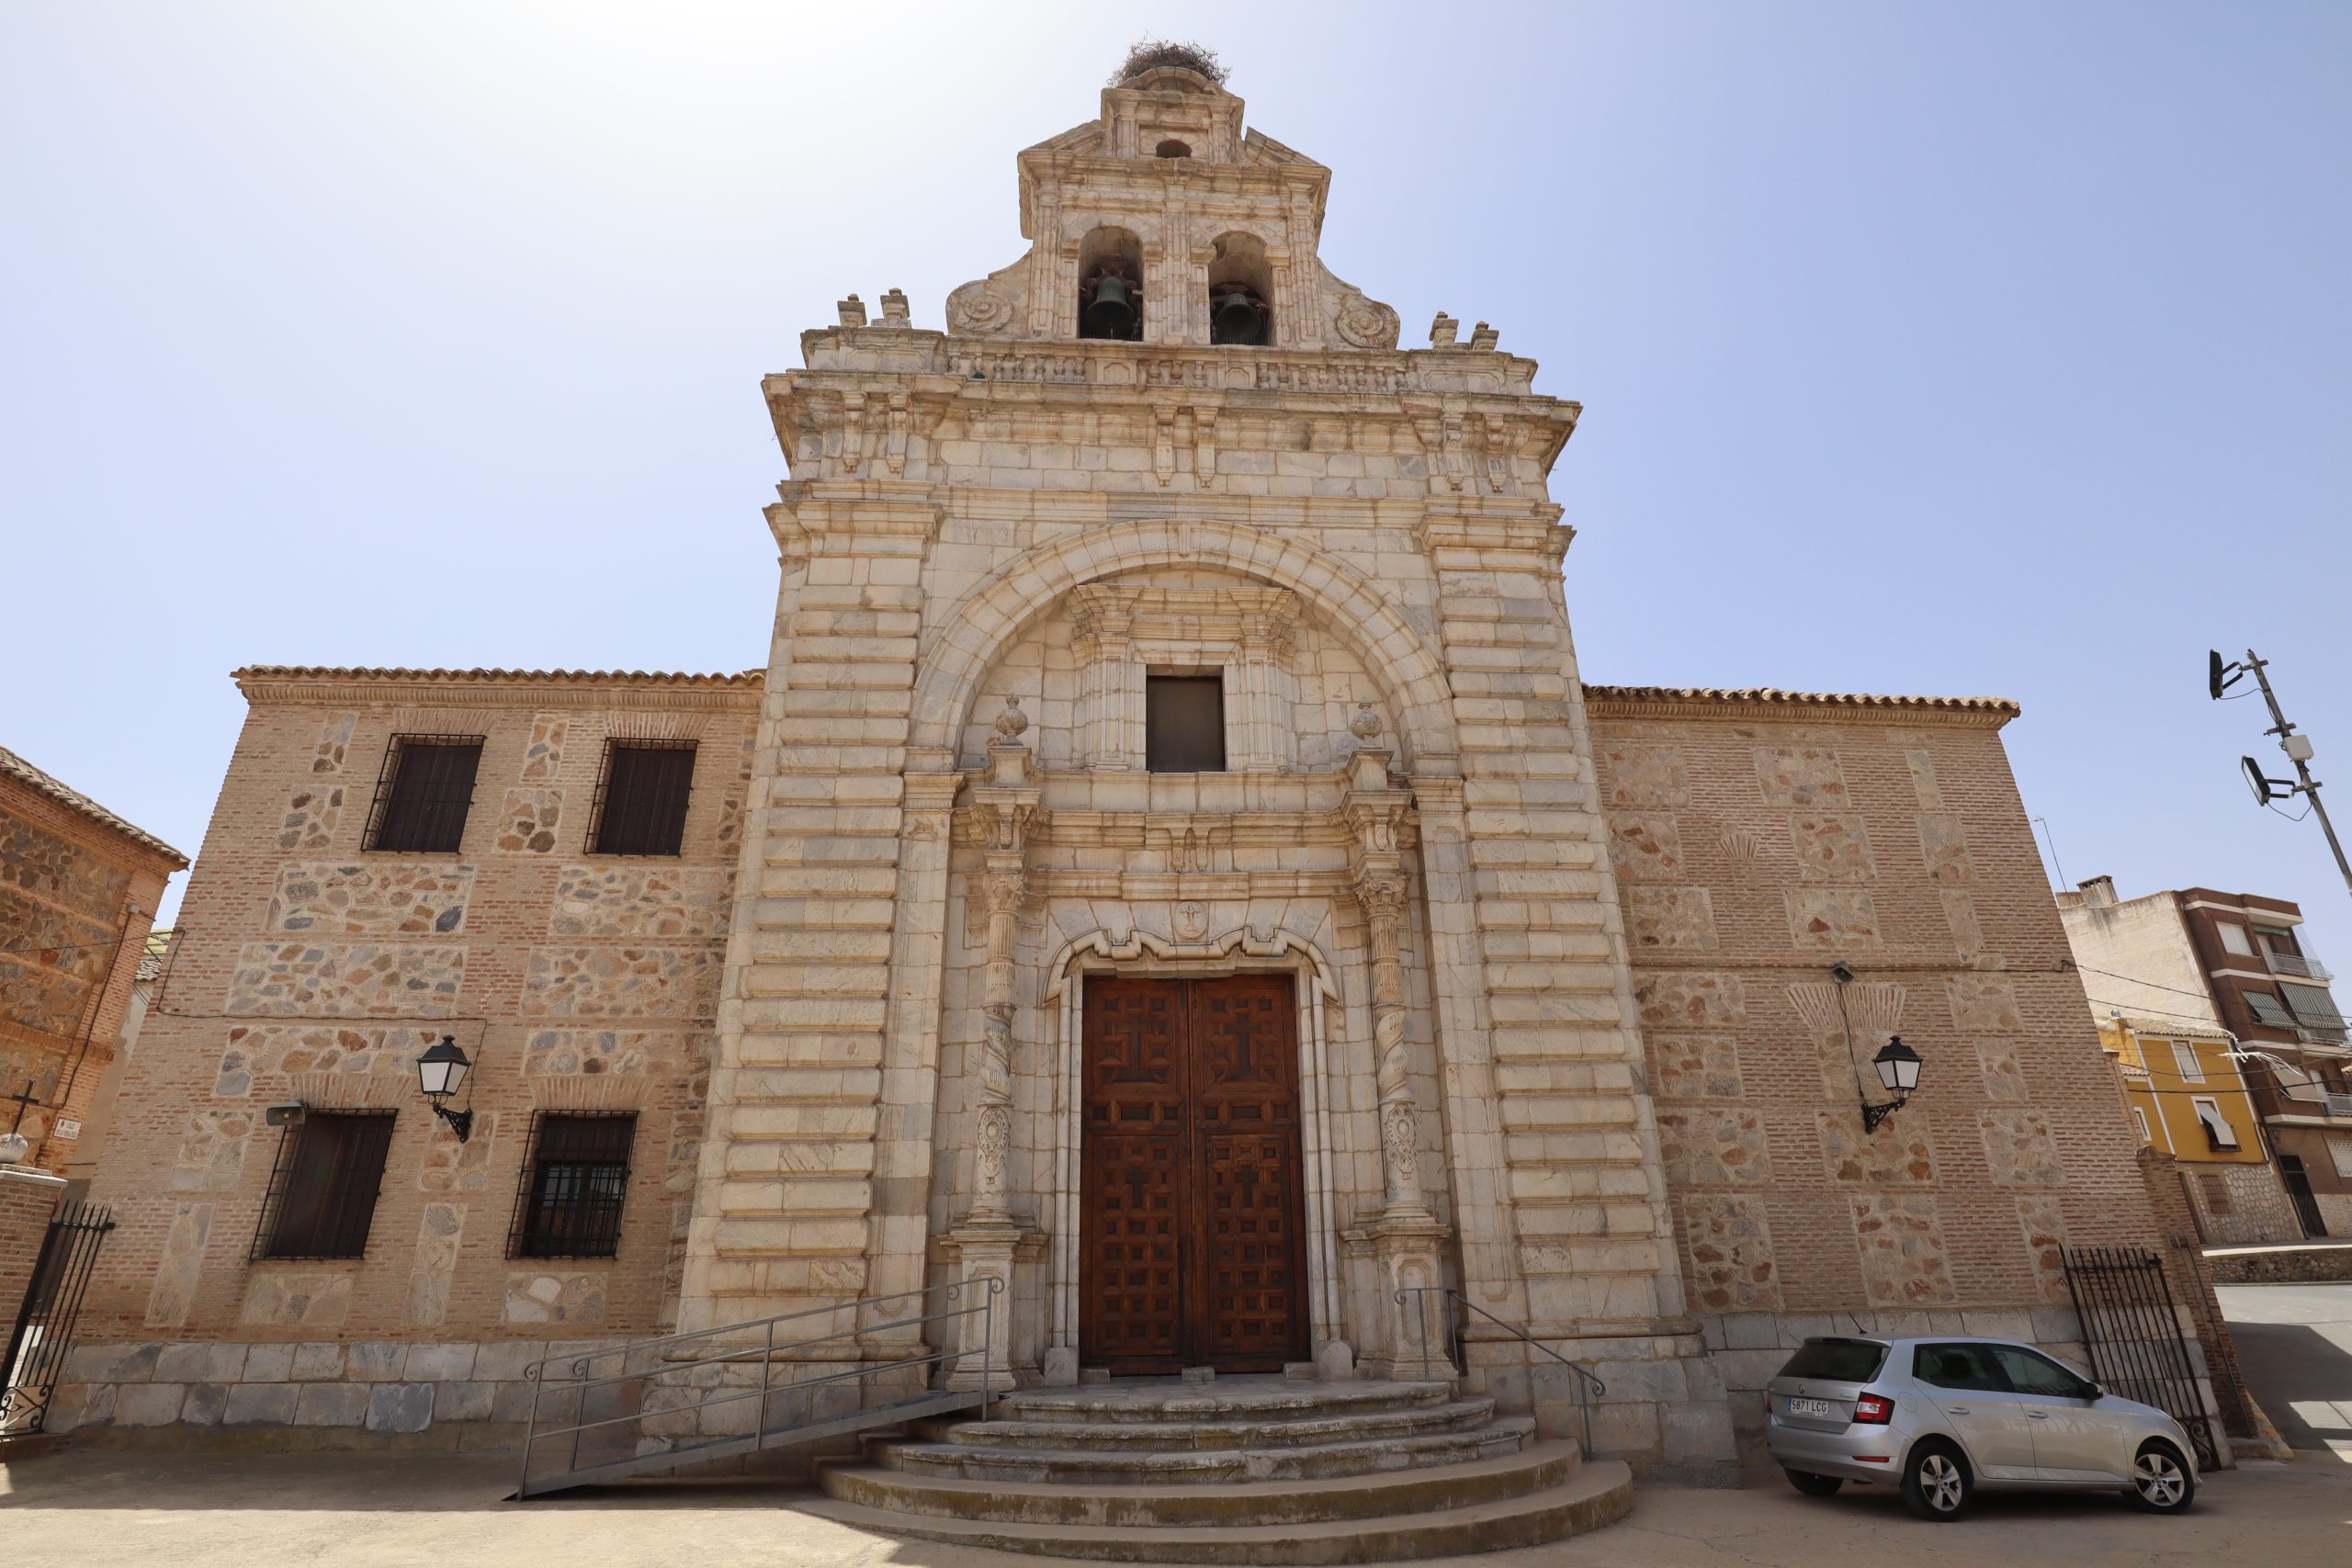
(644, 808)
(430, 791)
(322, 1197)
(1183, 723)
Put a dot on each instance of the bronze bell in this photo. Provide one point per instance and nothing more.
(1112, 312)
(1238, 317)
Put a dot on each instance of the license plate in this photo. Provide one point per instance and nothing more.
(1819, 1408)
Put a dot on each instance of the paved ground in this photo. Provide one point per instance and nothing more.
(2295, 1347)
(372, 1511)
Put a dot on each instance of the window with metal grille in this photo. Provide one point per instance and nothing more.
(574, 1184)
(424, 794)
(641, 799)
(2217, 1194)
(1183, 723)
(321, 1194)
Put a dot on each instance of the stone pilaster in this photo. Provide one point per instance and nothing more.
(784, 1213)
(1407, 1238)
(1593, 1245)
(1003, 811)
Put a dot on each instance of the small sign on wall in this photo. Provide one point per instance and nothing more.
(67, 1129)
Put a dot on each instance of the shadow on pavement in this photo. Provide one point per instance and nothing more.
(2297, 1372)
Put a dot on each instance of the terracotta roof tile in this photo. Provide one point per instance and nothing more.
(73, 799)
(1772, 696)
(741, 679)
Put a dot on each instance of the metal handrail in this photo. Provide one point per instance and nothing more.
(1587, 1379)
(767, 1350)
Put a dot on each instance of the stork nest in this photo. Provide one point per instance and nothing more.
(1151, 54)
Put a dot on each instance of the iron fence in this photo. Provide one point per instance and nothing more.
(43, 1335)
(2132, 1334)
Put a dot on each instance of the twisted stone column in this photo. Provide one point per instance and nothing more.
(1000, 889)
(1382, 898)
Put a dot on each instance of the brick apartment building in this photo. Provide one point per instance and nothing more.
(1170, 710)
(2237, 961)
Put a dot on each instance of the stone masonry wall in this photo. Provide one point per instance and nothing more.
(313, 969)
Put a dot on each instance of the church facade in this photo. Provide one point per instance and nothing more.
(1170, 863)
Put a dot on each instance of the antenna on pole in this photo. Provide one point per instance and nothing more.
(2220, 677)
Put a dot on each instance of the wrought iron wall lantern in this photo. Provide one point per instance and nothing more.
(1898, 1069)
(1897, 1065)
(439, 1072)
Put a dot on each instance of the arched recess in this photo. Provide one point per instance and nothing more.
(999, 609)
(1138, 950)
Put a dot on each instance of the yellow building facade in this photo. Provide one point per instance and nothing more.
(2189, 1100)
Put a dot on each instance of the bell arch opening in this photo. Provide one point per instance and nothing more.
(1110, 286)
(1241, 292)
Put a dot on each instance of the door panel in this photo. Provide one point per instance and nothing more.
(1246, 1077)
(1193, 1252)
(1131, 1249)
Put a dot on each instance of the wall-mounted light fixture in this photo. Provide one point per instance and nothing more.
(439, 1072)
(1898, 1069)
(1898, 1064)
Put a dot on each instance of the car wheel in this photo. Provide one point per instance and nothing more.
(2161, 1481)
(1936, 1483)
(1814, 1486)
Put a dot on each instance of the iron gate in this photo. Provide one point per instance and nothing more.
(2132, 1331)
(43, 1335)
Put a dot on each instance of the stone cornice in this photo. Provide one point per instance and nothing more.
(1770, 703)
(500, 688)
(933, 363)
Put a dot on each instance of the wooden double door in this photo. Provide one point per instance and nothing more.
(1191, 1192)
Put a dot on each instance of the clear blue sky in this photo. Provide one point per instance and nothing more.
(1963, 348)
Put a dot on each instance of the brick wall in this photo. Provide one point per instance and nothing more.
(1759, 843)
(28, 1198)
(76, 899)
(311, 968)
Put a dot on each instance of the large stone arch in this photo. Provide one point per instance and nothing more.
(987, 619)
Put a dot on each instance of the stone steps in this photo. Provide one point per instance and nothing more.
(1145, 1505)
(1265, 1401)
(1595, 1494)
(1242, 1470)
(1231, 1431)
(1209, 1464)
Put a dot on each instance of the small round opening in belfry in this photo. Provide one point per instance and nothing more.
(1173, 149)
(1154, 54)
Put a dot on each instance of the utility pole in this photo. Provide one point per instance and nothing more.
(2220, 677)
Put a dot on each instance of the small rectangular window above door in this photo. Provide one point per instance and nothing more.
(1183, 723)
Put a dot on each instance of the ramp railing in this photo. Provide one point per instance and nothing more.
(654, 1405)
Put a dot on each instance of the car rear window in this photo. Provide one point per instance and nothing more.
(1840, 1360)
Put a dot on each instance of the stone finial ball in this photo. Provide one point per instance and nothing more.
(1011, 723)
(1365, 724)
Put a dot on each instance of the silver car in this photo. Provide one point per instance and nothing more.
(1941, 1417)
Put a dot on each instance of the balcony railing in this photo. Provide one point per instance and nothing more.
(2298, 968)
(2339, 1104)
